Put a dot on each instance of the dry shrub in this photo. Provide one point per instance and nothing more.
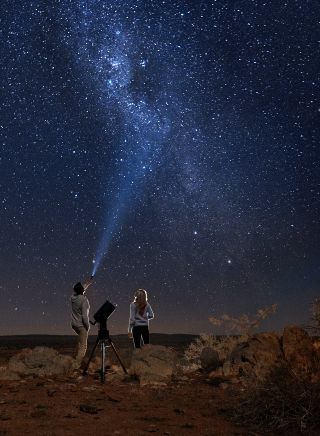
(243, 325)
(238, 329)
(284, 402)
(315, 316)
(223, 345)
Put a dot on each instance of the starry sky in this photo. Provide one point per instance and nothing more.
(175, 143)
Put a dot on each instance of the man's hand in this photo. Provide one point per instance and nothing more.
(88, 283)
(130, 335)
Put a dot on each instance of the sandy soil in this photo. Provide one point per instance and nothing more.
(82, 407)
(79, 405)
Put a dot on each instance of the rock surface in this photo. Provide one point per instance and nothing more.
(253, 358)
(209, 359)
(153, 364)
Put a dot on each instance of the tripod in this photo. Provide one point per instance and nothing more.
(105, 341)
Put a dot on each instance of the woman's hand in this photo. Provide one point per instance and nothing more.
(130, 335)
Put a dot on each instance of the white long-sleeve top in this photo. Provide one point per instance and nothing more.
(80, 311)
(136, 319)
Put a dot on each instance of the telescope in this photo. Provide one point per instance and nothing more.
(105, 311)
(103, 338)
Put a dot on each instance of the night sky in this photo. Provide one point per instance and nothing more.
(174, 143)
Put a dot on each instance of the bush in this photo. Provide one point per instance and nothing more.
(238, 329)
(243, 325)
(223, 345)
(283, 402)
(315, 316)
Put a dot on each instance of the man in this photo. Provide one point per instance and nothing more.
(80, 318)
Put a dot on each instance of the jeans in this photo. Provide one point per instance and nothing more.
(82, 333)
(140, 331)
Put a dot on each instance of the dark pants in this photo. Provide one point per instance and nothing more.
(137, 332)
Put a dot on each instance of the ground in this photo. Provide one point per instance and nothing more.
(79, 405)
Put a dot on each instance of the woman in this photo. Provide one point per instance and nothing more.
(140, 314)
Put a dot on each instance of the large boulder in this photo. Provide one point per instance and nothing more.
(41, 361)
(255, 357)
(209, 359)
(298, 349)
(153, 364)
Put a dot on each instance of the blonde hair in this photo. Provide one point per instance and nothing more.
(140, 299)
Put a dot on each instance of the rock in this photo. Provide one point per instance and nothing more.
(179, 411)
(39, 412)
(216, 381)
(298, 349)
(187, 425)
(112, 399)
(153, 364)
(216, 373)
(69, 415)
(234, 380)
(151, 429)
(209, 359)
(88, 408)
(182, 378)
(41, 361)
(89, 388)
(254, 358)
(6, 374)
(230, 367)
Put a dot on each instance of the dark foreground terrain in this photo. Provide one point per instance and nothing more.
(79, 405)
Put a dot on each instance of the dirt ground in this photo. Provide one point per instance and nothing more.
(81, 407)
(78, 405)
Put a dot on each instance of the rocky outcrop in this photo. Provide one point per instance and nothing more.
(153, 364)
(255, 357)
(39, 362)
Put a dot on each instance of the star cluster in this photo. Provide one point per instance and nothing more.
(173, 143)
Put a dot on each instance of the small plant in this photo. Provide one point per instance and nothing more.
(193, 352)
(243, 325)
(284, 402)
(223, 345)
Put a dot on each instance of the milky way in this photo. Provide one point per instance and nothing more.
(173, 142)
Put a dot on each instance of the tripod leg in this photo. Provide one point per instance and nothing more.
(118, 357)
(91, 356)
(103, 361)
